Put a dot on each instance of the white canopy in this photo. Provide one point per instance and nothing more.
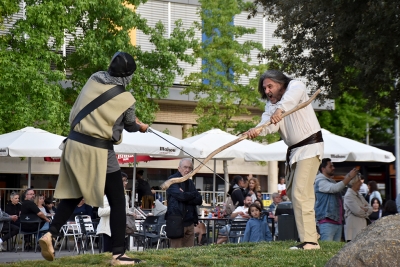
(209, 141)
(153, 145)
(336, 147)
(30, 142)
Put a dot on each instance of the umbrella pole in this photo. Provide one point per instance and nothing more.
(226, 176)
(29, 172)
(134, 181)
(214, 182)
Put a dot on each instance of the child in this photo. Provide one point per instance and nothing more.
(257, 229)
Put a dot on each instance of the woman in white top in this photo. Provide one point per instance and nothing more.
(281, 185)
(104, 214)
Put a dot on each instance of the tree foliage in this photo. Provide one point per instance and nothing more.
(349, 119)
(341, 46)
(221, 97)
(32, 65)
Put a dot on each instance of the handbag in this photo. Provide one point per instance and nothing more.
(130, 224)
(174, 227)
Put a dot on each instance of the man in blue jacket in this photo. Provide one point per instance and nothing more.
(182, 199)
(329, 204)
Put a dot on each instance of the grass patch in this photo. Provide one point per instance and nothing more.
(248, 254)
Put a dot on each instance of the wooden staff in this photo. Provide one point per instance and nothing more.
(171, 181)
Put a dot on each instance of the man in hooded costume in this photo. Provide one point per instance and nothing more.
(88, 166)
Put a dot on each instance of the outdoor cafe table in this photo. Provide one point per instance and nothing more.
(215, 221)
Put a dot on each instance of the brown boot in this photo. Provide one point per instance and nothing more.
(46, 246)
(124, 260)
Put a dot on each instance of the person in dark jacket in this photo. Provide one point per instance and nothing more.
(236, 190)
(145, 196)
(182, 199)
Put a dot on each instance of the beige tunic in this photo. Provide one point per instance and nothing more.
(83, 167)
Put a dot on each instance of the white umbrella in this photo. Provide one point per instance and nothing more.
(215, 138)
(30, 142)
(336, 147)
(153, 144)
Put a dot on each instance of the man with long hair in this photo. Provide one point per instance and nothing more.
(302, 134)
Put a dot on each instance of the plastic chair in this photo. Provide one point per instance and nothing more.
(150, 233)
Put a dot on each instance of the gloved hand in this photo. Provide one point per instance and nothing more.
(143, 126)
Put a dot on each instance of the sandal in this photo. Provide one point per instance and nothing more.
(120, 260)
(46, 246)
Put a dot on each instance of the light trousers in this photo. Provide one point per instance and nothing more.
(300, 190)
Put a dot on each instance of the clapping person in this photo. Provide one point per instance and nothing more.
(257, 229)
(356, 209)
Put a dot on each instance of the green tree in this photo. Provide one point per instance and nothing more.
(221, 97)
(31, 70)
(341, 45)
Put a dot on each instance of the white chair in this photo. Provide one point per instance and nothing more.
(86, 229)
(163, 239)
(70, 229)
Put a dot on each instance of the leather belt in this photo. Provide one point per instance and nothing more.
(312, 139)
(90, 140)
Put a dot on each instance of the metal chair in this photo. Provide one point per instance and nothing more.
(236, 230)
(67, 230)
(35, 223)
(86, 229)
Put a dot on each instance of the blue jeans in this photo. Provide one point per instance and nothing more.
(330, 232)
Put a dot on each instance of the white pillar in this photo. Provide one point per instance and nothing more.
(272, 176)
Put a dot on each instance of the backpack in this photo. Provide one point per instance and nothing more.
(229, 205)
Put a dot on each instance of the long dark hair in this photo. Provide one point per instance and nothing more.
(276, 76)
(390, 207)
(373, 186)
(235, 181)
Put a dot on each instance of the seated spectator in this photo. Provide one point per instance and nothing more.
(257, 228)
(259, 195)
(82, 209)
(14, 207)
(49, 204)
(389, 208)
(259, 203)
(376, 210)
(39, 201)
(10, 230)
(200, 230)
(240, 213)
(29, 209)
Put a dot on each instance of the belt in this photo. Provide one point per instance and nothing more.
(312, 139)
(90, 140)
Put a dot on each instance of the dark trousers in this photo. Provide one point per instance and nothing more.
(114, 190)
(10, 230)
